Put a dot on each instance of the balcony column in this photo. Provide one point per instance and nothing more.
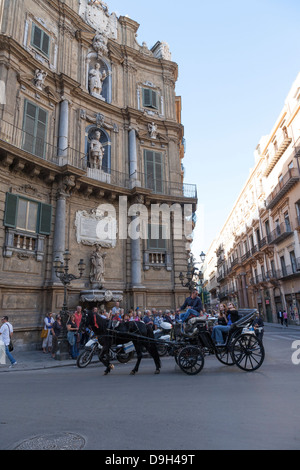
(136, 255)
(136, 252)
(133, 165)
(63, 132)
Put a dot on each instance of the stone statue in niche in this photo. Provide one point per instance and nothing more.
(39, 78)
(152, 128)
(96, 79)
(96, 151)
(97, 266)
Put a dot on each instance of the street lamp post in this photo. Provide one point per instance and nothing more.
(62, 272)
(193, 275)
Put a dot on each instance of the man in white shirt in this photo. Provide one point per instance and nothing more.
(6, 332)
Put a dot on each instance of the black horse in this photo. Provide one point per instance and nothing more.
(108, 334)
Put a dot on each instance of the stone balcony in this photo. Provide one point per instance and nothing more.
(288, 181)
(282, 143)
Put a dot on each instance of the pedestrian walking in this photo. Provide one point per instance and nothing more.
(285, 318)
(6, 332)
(47, 340)
(280, 317)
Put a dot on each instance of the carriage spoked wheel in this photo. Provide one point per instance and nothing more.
(190, 360)
(248, 352)
(224, 355)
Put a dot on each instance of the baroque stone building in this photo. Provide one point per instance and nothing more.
(255, 259)
(90, 134)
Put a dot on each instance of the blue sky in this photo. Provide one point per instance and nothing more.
(237, 62)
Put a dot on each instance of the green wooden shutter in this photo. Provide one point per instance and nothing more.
(154, 100)
(11, 207)
(45, 219)
(40, 40)
(29, 127)
(147, 98)
(149, 169)
(158, 173)
(37, 36)
(34, 129)
(45, 44)
(41, 126)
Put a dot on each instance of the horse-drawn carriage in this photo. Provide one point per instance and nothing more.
(242, 347)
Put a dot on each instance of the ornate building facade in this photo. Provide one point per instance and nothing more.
(255, 259)
(90, 137)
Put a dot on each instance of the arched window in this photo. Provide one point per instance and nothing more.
(104, 140)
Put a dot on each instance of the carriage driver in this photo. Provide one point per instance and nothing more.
(194, 304)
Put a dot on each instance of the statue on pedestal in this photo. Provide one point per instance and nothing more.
(96, 79)
(96, 152)
(97, 267)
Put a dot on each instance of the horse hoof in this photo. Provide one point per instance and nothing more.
(157, 372)
(132, 372)
(112, 367)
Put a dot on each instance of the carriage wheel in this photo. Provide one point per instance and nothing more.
(248, 352)
(190, 360)
(224, 355)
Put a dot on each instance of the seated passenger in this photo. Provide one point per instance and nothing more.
(195, 306)
(218, 330)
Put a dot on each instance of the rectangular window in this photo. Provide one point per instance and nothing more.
(287, 222)
(157, 237)
(298, 212)
(154, 171)
(40, 40)
(34, 129)
(293, 261)
(273, 270)
(150, 98)
(283, 265)
(27, 215)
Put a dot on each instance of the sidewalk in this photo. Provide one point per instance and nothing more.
(278, 325)
(34, 360)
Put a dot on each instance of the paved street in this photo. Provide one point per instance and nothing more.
(221, 408)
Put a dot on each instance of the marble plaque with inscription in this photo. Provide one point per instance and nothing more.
(93, 228)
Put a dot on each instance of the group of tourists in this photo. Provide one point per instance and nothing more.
(53, 323)
(192, 307)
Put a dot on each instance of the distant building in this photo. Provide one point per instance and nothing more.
(89, 117)
(255, 259)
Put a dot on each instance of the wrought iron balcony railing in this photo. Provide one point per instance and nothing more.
(20, 140)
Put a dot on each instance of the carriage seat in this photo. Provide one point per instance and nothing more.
(191, 325)
(195, 320)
